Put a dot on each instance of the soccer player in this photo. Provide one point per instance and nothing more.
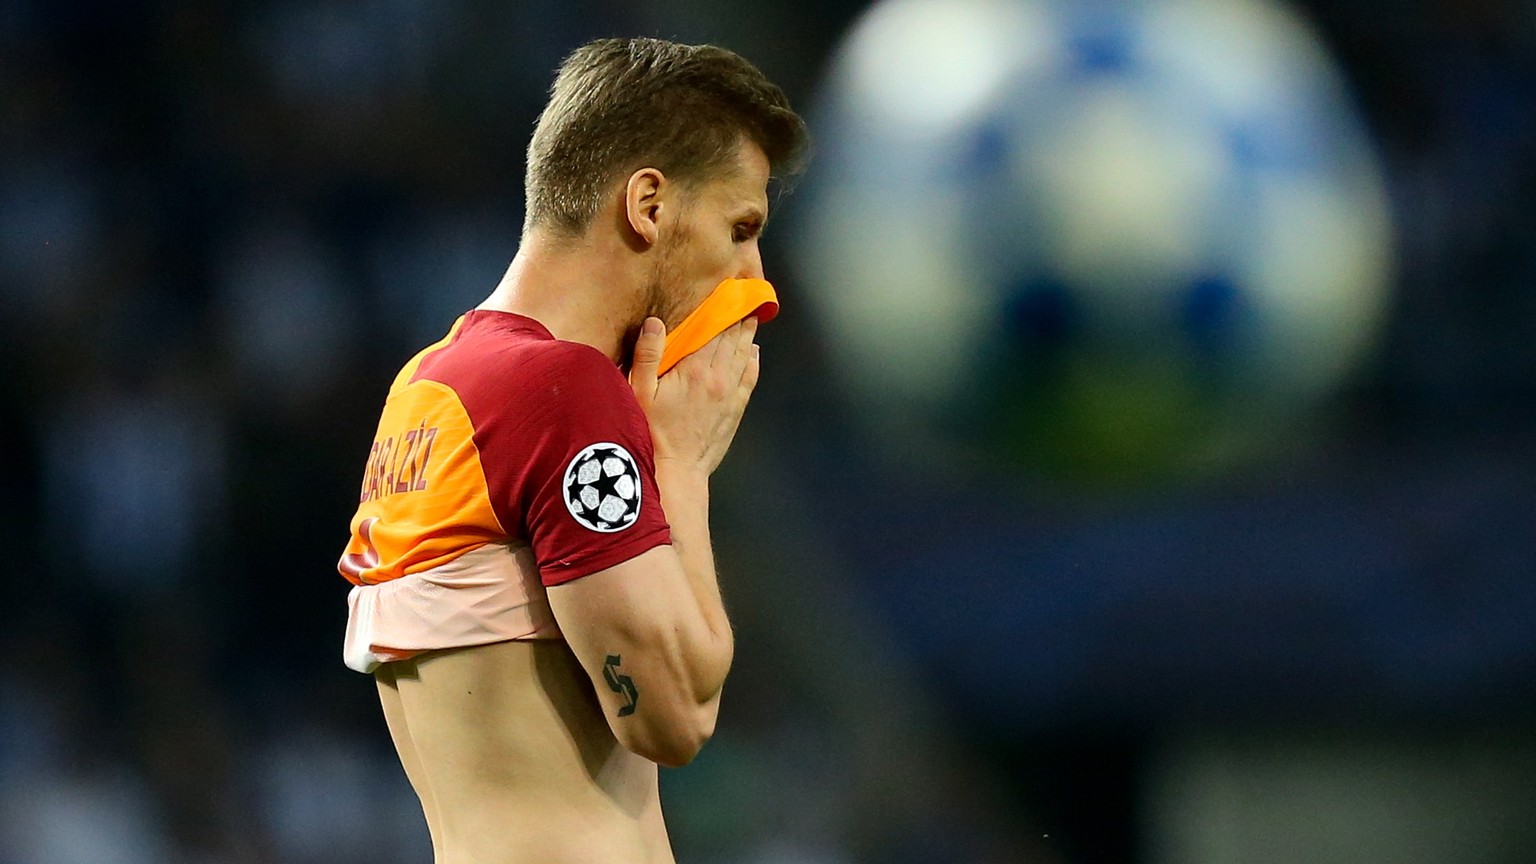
(535, 591)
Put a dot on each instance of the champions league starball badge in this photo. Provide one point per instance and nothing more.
(602, 488)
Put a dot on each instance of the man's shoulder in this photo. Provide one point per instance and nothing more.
(496, 358)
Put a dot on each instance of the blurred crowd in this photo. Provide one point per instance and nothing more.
(224, 225)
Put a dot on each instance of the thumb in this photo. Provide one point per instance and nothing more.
(648, 349)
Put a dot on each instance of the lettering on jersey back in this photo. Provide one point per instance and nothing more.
(399, 463)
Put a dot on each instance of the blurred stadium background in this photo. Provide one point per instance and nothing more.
(1144, 470)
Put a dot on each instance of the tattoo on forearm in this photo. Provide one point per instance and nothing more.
(621, 684)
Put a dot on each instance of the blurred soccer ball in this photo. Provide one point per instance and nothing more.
(1122, 240)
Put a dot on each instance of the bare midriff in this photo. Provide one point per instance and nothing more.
(514, 762)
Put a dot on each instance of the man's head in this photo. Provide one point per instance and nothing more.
(620, 105)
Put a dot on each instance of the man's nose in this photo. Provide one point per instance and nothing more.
(752, 264)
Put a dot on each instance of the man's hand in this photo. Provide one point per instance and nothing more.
(695, 409)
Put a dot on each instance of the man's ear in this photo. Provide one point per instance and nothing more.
(644, 203)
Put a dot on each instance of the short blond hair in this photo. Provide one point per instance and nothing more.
(618, 105)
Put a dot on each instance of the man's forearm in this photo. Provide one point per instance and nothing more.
(685, 495)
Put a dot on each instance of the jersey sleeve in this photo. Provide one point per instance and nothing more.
(570, 466)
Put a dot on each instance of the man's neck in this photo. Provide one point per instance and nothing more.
(570, 288)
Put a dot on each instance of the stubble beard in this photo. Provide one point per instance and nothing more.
(661, 295)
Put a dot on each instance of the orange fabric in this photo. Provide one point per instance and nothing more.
(424, 499)
(732, 301)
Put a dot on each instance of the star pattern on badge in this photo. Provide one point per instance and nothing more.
(602, 488)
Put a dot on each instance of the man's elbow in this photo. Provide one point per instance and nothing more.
(671, 742)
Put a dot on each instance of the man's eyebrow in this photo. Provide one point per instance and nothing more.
(757, 216)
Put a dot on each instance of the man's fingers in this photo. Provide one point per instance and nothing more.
(728, 352)
(722, 345)
(745, 339)
(735, 341)
(750, 372)
(648, 349)
(747, 352)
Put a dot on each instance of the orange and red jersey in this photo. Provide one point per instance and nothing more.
(503, 441)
